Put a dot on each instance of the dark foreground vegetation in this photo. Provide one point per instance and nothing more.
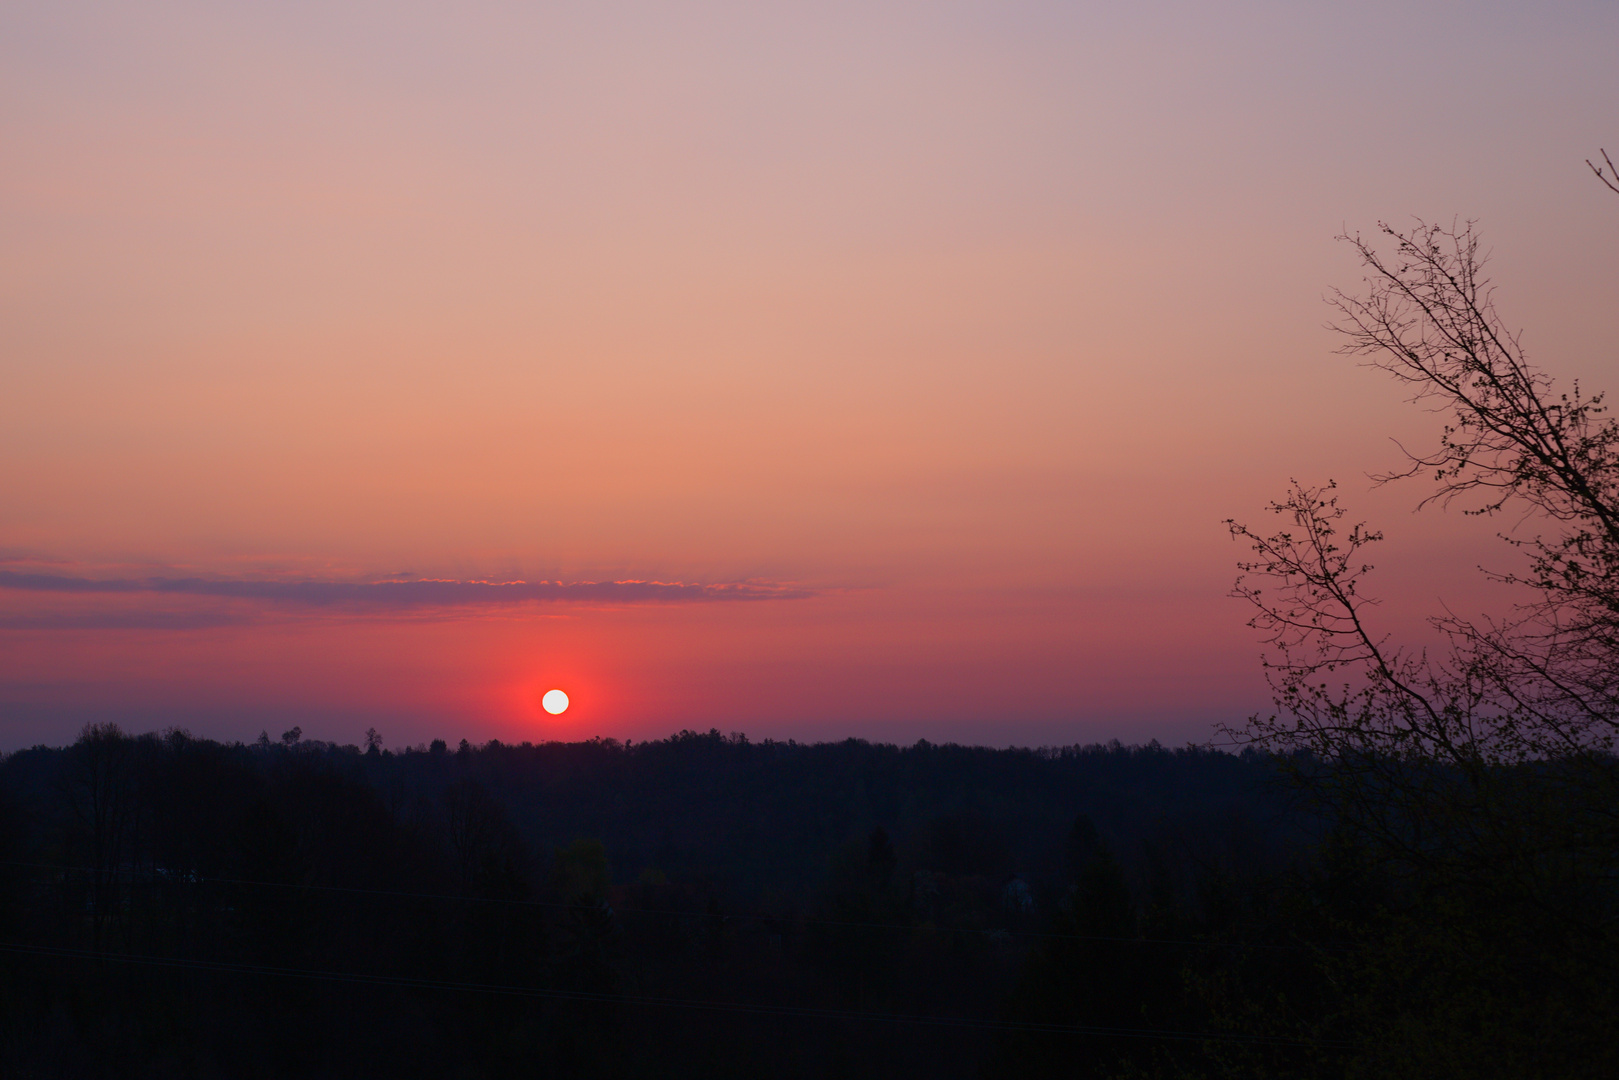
(707, 906)
(699, 906)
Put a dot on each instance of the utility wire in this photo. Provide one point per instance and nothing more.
(664, 1002)
(723, 916)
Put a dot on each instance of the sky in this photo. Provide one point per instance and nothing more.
(804, 370)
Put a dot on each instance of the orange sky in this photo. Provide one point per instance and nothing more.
(953, 330)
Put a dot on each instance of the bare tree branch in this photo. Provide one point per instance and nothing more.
(1608, 175)
(1441, 758)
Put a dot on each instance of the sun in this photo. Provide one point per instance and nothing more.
(554, 701)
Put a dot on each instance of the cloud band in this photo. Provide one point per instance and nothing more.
(406, 594)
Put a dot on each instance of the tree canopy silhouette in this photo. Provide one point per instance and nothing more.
(1480, 779)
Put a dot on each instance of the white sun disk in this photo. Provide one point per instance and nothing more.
(554, 701)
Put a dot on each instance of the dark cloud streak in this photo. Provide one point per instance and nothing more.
(121, 620)
(405, 594)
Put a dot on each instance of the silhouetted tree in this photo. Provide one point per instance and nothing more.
(100, 787)
(1484, 779)
(880, 858)
(477, 831)
(1086, 972)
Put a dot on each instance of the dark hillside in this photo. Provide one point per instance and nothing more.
(175, 906)
(707, 906)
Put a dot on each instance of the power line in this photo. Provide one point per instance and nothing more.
(745, 917)
(661, 1002)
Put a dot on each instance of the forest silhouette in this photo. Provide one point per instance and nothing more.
(705, 905)
(696, 905)
(700, 905)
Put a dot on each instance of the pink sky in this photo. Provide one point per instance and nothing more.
(939, 337)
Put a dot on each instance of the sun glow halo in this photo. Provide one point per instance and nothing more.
(555, 702)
